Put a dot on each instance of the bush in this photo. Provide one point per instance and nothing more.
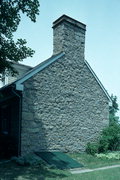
(103, 145)
(109, 141)
(92, 148)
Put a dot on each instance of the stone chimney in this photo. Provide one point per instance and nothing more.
(69, 37)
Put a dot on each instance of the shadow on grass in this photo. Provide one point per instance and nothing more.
(11, 171)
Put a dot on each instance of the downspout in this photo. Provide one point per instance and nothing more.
(20, 116)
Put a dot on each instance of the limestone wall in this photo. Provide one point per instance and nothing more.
(64, 108)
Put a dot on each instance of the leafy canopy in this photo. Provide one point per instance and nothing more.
(113, 110)
(10, 18)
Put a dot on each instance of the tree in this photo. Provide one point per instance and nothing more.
(10, 18)
(113, 110)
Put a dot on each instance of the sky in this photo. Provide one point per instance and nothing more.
(102, 45)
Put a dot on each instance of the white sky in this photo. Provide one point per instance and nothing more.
(102, 49)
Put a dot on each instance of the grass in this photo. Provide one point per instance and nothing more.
(90, 161)
(12, 171)
(108, 174)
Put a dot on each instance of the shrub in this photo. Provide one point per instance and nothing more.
(109, 140)
(92, 148)
(103, 145)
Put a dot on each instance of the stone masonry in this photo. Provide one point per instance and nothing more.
(63, 105)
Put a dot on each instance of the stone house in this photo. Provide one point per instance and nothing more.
(59, 105)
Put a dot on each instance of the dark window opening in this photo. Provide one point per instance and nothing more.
(5, 120)
(5, 126)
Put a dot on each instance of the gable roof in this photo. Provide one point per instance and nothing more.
(37, 69)
(18, 83)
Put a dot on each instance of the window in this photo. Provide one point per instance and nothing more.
(5, 119)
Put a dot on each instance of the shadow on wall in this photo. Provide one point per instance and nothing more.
(33, 130)
(9, 128)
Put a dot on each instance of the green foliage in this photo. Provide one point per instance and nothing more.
(10, 18)
(92, 148)
(113, 110)
(109, 141)
(103, 145)
(13, 52)
(110, 138)
(110, 155)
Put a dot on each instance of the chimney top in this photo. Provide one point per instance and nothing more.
(65, 18)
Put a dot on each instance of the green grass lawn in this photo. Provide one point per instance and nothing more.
(12, 171)
(108, 174)
(90, 161)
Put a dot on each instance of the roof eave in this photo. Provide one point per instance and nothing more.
(19, 83)
(99, 82)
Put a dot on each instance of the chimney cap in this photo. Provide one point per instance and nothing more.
(72, 21)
